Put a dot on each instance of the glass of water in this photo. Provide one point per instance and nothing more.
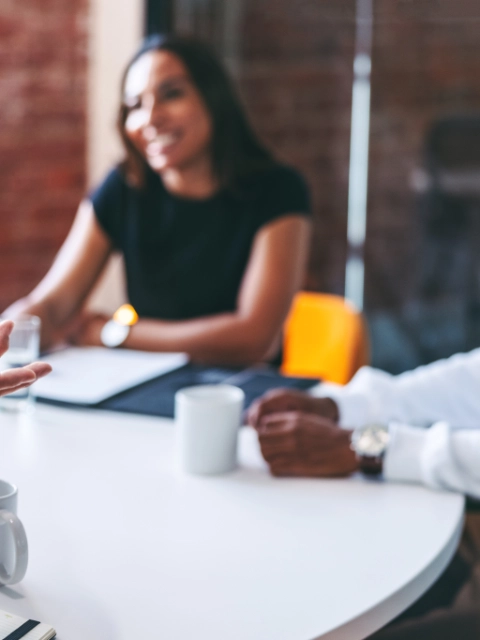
(23, 349)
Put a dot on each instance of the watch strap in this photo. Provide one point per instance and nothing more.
(114, 334)
(370, 465)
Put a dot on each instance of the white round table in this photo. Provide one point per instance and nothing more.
(123, 547)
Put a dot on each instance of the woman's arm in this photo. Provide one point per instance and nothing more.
(61, 293)
(274, 274)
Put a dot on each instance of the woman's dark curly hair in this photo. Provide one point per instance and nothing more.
(236, 150)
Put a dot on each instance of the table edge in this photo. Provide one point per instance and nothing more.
(388, 609)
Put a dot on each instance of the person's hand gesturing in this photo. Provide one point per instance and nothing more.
(15, 379)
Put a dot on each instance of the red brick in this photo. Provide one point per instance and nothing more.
(43, 79)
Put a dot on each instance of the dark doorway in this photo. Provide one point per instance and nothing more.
(158, 16)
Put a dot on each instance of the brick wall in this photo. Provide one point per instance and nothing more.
(43, 64)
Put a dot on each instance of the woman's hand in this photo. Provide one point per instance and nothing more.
(15, 379)
(86, 329)
(302, 444)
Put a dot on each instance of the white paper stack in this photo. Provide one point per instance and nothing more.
(88, 375)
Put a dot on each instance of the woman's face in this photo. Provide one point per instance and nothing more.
(167, 121)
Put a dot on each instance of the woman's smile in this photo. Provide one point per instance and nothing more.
(167, 119)
(161, 144)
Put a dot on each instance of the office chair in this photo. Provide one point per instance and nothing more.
(324, 337)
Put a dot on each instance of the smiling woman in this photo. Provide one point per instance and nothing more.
(213, 230)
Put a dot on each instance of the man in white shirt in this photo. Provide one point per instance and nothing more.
(433, 419)
(14, 379)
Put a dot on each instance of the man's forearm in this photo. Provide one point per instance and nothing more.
(444, 390)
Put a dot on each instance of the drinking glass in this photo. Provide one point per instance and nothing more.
(23, 349)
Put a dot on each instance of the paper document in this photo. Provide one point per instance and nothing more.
(88, 375)
(12, 626)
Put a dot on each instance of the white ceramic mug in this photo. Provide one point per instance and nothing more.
(13, 540)
(207, 419)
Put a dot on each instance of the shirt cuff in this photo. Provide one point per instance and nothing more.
(403, 459)
(354, 408)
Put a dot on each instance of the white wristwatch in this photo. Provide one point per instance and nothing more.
(115, 331)
(370, 445)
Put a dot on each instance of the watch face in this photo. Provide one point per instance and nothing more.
(114, 334)
(371, 440)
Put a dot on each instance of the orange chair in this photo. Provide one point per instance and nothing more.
(324, 337)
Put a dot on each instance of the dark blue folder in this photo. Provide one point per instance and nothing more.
(156, 397)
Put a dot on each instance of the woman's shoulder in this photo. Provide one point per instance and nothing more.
(284, 171)
(275, 173)
(280, 189)
(109, 191)
(108, 199)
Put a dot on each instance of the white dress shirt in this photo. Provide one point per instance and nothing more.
(433, 414)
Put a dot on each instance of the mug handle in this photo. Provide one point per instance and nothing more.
(10, 520)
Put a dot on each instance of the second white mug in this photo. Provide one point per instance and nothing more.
(207, 419)
(13, 540)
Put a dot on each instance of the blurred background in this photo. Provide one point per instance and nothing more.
(60, 65)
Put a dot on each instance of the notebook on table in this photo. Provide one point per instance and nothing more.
(14, 627)
(144, 383)
(87, 375)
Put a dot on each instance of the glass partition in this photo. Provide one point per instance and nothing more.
(293, 62)
(422, 280)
